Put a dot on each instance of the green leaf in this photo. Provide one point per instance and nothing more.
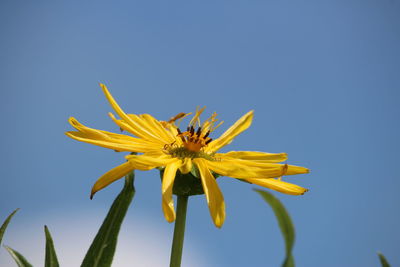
(383, 260)
(51, 257)
(19, 259)
(5, 224)
(101, 252)
(285, 224)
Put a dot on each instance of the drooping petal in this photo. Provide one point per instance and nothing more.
(140, 131)
(215, 199)
(166, 190)
(227, 137)
(277, 185)
(254, 156)
(111, 176)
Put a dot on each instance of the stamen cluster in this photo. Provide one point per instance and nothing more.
(194, 140)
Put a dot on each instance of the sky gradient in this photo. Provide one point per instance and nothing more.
(321, 76)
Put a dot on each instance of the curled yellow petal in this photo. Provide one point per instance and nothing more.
(166, 190)
(215, 199)
(227, 137)
(277, 185)
(111, 176)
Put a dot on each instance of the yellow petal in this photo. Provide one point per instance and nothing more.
(106, 139)
(246, 169)
(90, 132)
(111, 176)
(149, 124)
(255, 156)
(156, 126)
(186, 166)
(215, 199)
(166, 190)
(125, 126)
(112, 144)
(277, 185)
(292, 169)
(138, 128)
(227, 137)
(157, 153)
(145, 163)
(149, 127)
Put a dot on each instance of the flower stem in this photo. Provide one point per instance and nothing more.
(179, 232)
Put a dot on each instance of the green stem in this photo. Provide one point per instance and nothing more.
(179, 232)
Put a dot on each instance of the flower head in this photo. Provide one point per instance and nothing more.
(164, 145)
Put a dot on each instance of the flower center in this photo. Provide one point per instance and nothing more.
(193, 140)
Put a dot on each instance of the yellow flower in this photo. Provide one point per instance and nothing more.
(164, 145)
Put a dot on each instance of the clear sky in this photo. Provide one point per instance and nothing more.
(322, 76)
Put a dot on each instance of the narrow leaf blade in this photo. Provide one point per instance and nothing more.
(101, 252)
(383, 260)
(285, 224)
(51, 257)
(19, 259)
(5, 224)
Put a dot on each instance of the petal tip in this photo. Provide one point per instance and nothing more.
(104, 89)
(72, 120)
(218, 222)
(249, 114)
(170, 219)
(305, 191)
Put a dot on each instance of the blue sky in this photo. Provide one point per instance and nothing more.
(322, 77)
